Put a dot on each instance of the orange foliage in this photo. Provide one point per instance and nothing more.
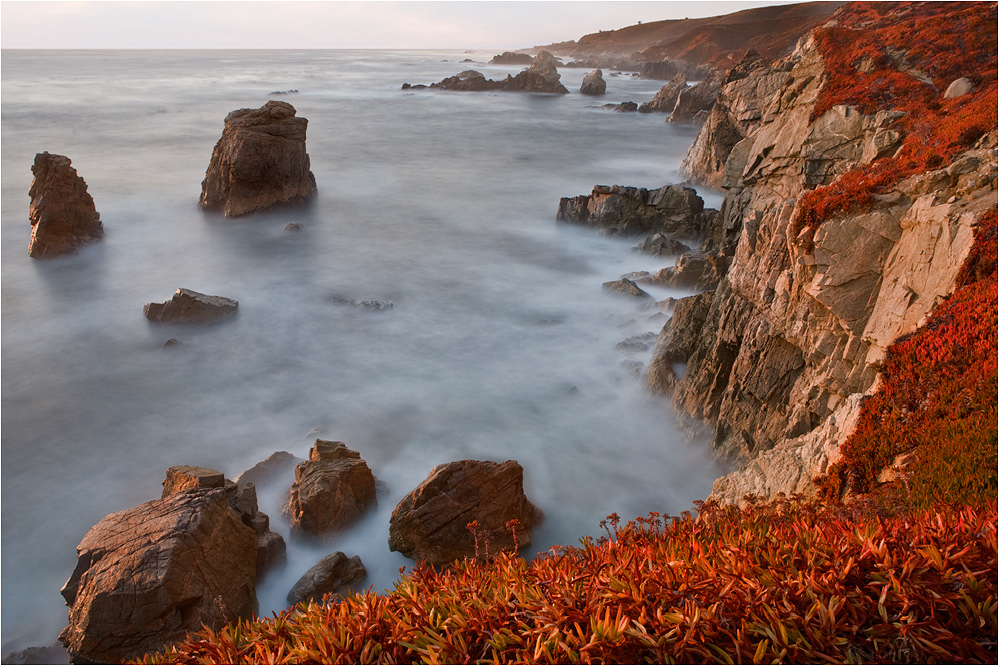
(937, 398)
(871, 59)
(791, 582)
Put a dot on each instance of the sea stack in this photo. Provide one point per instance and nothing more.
(62, 212)
(259, 162)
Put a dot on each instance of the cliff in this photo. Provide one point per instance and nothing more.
(853, 183)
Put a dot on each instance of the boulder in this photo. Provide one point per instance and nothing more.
(593, 83)
(672, 209)
(623, 107)
(958, 88)
(627, 287)
(259, 162)
(185, 477)
(335, 573)
(151, 574)
(332, 490)
(62, 212)
(431, 523)
(665, 99)
(268, 469)
(511, 58)
(190, 307)
(659, 245)
(541, 77)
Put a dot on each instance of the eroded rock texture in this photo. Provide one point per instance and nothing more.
(151, 574)
(62, 212)
(430, 523)
(332, 490)
(259, 162)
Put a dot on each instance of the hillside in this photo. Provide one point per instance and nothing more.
(718, 40)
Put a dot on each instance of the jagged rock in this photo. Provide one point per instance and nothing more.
(335, 573)
(623, 107)
(259, 162)
(959, 88)
(691, 101)
(659, 245)
(267, 470)
(52, 654)
(429, 524)
(511, 58)
(627, 287)
(151, 574)
(332, 490)
(191, 307)
(185, 477)
(677, 341)
(665, 99)
(541, 77)
(672, 209)
(593, 83)
(62, 212)
(642, 342)
(694, 270)
(667, 69)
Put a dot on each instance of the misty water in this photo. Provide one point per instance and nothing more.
(501, 343)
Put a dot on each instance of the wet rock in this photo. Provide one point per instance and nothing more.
(151, 574)
(672, 209)
(541, 77)
(365, 304)
(62, 212)
(677, 341)
(660, 245)
(334, 574)
(191, 307)
(171, 343)
(292, 227)
(593, 83)
(665, 99)
(959, 88)
(259, 162)
(268, 470)
(332, 490)
(623, 107)
(52, 654)
(642, 342)
(627, 287)
(511, 58)
(429, 524)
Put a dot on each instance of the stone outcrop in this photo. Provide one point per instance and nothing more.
(429, 524)
(62, 212)
(191, 307)
(669, 68)
(511, 58)
(665, 99)
(660, 245)
(541, 77)
(259, 162)
(334, 574)
(332, 491)
(694, 270)
(593, 83)
(693, 102)
(267, 470)
(795, 332)
(186, 477)
(672, 210)
(148, 575)
(627, 287)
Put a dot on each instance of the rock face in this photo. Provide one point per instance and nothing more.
(672, 209)
(429, 524)
(541, 77)
(593, 83)
(333, 574)
(191, 307)
(332, 490)
(627, 287)
(665, 99)
(62, 212)
(267, 470)
(149, 575)
(693, 102)
(259, 162)
(793, 335)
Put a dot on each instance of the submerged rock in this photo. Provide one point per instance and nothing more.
(334, 574)
(593, 83)
(623, 107)
(191, 307)
(62, 212)
(259, 162)
(332, 490)
(627, 287)
(430, 523)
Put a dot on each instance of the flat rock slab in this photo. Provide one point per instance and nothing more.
(191, 307)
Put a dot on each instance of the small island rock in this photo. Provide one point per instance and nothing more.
(190, 307)
(62, 212)
(593, 83)
(334, 573)
(332, 490)
(259, 162)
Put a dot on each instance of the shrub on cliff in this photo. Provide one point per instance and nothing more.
(790, 582)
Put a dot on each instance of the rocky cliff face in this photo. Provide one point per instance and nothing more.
(792, 337)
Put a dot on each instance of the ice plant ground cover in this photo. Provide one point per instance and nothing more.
(788, 582)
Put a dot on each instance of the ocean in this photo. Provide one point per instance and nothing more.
(501, 343)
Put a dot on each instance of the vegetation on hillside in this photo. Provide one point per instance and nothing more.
(902, 57)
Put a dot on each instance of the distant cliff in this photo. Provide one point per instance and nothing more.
(855, 172)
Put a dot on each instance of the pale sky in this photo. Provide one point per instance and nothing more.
(251, 24)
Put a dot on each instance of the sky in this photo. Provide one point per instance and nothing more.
(457, 24)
